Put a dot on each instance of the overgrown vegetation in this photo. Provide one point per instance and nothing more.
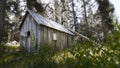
(80, 55)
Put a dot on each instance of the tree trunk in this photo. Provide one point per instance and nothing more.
(74, 15)
(85, 14)
(2, 19)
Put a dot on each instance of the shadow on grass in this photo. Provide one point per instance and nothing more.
(81, 55)
(9, 58)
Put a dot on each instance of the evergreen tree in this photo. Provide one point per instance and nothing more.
(106, 10)
(35, 4)
(2, 20)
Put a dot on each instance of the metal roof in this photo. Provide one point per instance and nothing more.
(49, 23)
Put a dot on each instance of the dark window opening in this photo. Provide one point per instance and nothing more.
(28, 34)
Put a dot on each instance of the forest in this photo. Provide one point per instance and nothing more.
(89, 35)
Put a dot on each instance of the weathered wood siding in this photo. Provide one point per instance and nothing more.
(34, 39)
(42, 35)
(63, 41)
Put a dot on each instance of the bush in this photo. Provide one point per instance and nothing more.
(86, 55)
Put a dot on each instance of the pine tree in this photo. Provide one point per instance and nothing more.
(105, 10)
(2, 20)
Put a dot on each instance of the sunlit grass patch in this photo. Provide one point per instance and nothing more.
(61, 57)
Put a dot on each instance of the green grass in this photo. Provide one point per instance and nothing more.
(81, 55)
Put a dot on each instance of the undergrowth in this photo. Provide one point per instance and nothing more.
(80, 55)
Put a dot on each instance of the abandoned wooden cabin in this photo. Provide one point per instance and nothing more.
(36, 30)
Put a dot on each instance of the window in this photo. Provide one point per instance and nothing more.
(28, 34)
(54, 36)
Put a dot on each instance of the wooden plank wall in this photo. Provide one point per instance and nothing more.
(43, 35)
(63, 39)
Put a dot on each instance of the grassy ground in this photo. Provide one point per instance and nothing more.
(83, 55)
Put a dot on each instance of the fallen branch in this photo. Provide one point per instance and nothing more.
(84, 37)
